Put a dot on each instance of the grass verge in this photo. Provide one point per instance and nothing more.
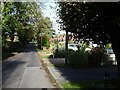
(83, 85)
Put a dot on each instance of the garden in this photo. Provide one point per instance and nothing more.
(97, 57)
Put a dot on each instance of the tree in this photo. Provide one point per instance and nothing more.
(24, 24)
(7, 19)
(19, 17)
(97, 21)
(45, 31)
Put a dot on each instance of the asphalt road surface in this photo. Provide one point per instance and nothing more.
(24, 70)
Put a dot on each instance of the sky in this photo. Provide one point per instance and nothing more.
(49, 10)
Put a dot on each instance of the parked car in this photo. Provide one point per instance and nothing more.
(111, 56)
(73, 47)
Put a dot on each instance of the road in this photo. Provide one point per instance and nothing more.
(24, 70)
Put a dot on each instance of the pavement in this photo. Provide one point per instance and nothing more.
(62, 74)
(24, 70)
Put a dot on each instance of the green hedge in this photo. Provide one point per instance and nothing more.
(59, 53)
(9, 48)
(97, 57)
(78, 59)
(45, 41)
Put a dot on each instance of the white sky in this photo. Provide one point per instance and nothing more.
(49, 10)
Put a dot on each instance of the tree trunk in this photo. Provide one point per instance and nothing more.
(12, 38)
(116, 48)
(66, 47)
(117, 54)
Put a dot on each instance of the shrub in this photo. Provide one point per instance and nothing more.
(9, 48)
(14, 47)
(59, 53)
(45, 41)
(78, 59)
(97, 56)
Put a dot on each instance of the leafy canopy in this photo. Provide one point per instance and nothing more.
(90, 20)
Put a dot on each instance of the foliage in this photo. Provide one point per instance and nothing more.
(25, 21)
(14, 47)
(10, 48)
(59, 53)
(91, 20)
(78, 59)
(44, 30)
(107, 46)
(45, 41)
(16, 19)
(97, 56)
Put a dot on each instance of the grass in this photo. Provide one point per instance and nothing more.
(83, 85)
(44, 50)
(44, 56)
(45, 53)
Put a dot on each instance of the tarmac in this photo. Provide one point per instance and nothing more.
(24, 70)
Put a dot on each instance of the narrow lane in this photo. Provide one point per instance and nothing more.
(24, 70)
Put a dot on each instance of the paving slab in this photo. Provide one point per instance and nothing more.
(35, 77)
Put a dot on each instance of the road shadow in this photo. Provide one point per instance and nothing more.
(11, 63)
(24, 49)
(29, 48)
(83, 74)
(8, 68)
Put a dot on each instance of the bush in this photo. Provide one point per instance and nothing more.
(14, 47)
(59, 53)
(97, 56)
(9, 48)
(78, 59)
(45, 41)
